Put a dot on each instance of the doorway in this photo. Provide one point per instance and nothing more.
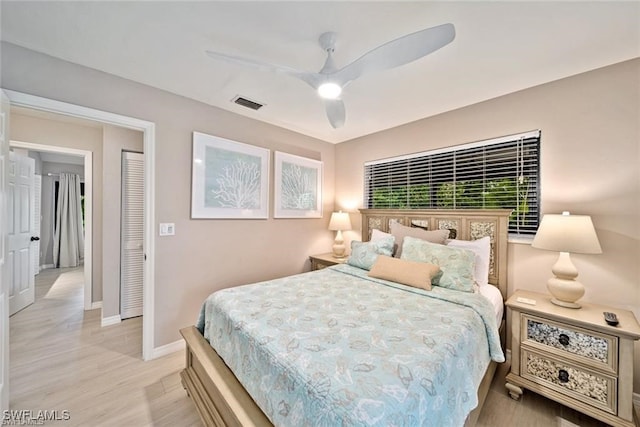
(148, 130)
(87, 160)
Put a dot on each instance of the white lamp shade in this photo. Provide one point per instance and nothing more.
(340, 221)
(567, 233)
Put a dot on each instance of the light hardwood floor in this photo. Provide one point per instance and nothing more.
(61, 359)
(532, 410)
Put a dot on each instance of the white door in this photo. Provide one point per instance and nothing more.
(36, 217)
(132, 235)
(19, 258)
(4, 283)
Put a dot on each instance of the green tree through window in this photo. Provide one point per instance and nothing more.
(496, 174)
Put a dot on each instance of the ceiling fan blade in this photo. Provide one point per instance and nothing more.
(398, 52)
(312, 79)
(335, 112)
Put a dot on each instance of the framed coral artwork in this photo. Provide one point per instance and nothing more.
(298, 187)
(229, 179)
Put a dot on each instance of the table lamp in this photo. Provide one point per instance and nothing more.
(565, 234)
(339, 222)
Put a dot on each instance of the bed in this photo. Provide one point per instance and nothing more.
(327, 370)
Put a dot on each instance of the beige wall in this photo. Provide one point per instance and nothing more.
(590, 164)
(39, 130)
(204, 255)
(590, 160)
(115, 140)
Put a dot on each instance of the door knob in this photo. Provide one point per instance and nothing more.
(34, 238)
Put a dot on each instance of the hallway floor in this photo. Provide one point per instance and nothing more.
(61, 359)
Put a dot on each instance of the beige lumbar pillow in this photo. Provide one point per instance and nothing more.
(411, 273)
(400, 231)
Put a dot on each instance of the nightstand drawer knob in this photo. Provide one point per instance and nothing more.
(563, 376)
(564, 339)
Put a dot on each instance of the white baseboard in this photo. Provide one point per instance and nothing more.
(168, 349)
(97, 304)
(111, 320)
(46, 266)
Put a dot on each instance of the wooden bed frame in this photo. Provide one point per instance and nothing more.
(220, 398)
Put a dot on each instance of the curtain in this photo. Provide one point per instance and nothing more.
(68, 234)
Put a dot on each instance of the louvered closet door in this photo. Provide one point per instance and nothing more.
(132, 235)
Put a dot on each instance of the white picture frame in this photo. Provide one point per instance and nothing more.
(229, 179)
(297, 187)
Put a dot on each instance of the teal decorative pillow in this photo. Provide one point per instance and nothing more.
(364, 254)
(457, 264)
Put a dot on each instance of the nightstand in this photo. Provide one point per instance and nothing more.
(573, 357)
(325, 260)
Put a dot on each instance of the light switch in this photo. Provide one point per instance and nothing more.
(167, 229)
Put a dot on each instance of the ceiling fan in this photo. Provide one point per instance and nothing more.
(330, 80)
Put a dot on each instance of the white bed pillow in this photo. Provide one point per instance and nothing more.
(377, 235)
(482, 249)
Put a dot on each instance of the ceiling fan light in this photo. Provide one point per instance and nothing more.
(329, 90)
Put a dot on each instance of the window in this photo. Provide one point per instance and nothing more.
(56, 190)
(501, 173)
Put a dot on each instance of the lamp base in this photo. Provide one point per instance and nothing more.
(339, 249)
(565, 289)
(565, 292)
(565, 303)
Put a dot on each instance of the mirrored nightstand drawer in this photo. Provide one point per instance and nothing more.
(591, 348)
(577, 382)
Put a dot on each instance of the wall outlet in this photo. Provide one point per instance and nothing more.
(167, 229)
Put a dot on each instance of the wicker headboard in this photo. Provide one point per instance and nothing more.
(468, 225)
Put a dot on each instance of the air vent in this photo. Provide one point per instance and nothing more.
(247, 103)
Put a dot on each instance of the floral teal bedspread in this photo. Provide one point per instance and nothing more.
(334, 347)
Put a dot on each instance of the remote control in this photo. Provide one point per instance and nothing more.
(610, 318)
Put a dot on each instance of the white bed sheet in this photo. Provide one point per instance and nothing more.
(492, 293)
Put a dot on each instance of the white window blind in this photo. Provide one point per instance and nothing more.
(501, 173)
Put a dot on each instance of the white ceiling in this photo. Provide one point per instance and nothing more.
(500, 47)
